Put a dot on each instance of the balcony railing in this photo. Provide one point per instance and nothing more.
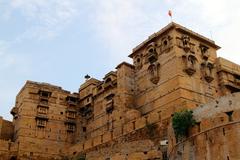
(42, 116)
(44, 94)
(70, 121)
(43, 102)
(73, 103)
(71, 128)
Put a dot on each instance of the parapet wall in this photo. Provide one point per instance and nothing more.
(6, 129)
(7, 149)
(216, 134)
(136, 131)
(224, 104)
(4, 147)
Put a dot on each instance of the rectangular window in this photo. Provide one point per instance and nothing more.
(71, 114)
(71, 127)
(41, 122)
(42, 110)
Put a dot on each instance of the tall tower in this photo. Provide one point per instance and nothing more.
(174, 70)
(44, 120)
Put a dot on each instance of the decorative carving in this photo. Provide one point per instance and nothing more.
(138, 62)
(237, 80)
(14, 111)
(204, 51)
(166, 44)
(153, 70)
(86, 111)
(190, 61)
(207, 71)
(186, 43)
(152, 55)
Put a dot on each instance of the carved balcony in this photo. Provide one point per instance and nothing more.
(44, 94)
(14, 111)
(86, 111)
(109, 106)
(41, 116)
(72, 101)
(43, 102)
(41, 122)
(190, 61)
(71, 127)
(70, 121)
(71, 114)
(190, 71)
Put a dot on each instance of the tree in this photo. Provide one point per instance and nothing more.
(182, 121)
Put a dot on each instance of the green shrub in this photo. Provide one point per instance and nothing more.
(181, 122)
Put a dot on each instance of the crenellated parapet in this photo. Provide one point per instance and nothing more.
(215, 133)
(127, 114)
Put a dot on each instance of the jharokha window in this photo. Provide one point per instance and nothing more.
(44, 94)
(42, 110)
(41, 123)
(71, 127)
(71, 114)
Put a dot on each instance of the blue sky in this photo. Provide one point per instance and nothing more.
(60, 41)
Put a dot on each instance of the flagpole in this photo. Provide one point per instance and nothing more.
(170, 15)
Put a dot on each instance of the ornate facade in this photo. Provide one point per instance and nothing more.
(127, 114)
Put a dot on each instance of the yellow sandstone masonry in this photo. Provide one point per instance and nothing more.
(127, 114)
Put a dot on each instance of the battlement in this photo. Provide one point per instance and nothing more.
(127, 114)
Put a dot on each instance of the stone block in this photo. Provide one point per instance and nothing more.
(117, 123)
(88, 144)
(97, 140)
(137, 156)
(132, 115)
(107, 136)
(127, 128)
(153, 118)
(236, 115)
(118, 157)
(153, 154)
(117, 132)
(140, 123)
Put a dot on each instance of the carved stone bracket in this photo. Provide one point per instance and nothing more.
(204, 51)
(206, 68)
(138, 62)
(153, 71)
(152, 55)
(166, 44)
(190, 63)
(186, 43)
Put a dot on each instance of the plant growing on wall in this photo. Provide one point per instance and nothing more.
(181, 121)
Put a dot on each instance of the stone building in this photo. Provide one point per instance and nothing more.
(127, 114)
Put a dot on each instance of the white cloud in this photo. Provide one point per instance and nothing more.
(5, 60)
(12, 67)
(220, 17)
(123, 24)
(16, 63)
(47, 17)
